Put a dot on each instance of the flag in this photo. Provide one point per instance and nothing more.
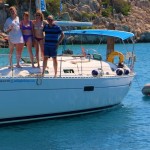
(61, 6)
(40, 4)
(43, 5)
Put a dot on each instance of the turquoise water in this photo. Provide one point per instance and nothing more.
(126, 127)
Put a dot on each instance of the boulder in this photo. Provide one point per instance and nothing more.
(65, 16)
(145, 37)
(94, 5)
(86, 8)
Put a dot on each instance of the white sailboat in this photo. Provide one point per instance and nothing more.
(85, 83)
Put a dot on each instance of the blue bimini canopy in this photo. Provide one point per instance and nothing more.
(112, 33)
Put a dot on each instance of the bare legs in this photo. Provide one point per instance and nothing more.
(11, 48)
(19, 48)
(44, 64)
(54, 65)
(29, 47)
(39, 45)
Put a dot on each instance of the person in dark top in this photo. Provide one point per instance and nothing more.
(53, 37)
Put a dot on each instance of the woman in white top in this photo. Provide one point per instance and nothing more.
(15, 38)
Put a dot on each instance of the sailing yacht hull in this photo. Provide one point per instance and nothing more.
(38, 98)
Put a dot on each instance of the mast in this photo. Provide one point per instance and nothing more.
(30, 8)
(110, 40)
(38, 4)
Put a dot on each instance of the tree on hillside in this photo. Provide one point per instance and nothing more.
(120, 6)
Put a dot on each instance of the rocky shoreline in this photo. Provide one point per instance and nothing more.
(3, 40)
(145, 38)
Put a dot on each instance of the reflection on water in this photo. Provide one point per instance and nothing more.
(76, 132)
(146, 98)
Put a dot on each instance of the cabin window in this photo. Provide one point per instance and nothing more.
(68, 71)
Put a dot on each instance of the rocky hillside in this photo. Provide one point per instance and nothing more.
(137, 21)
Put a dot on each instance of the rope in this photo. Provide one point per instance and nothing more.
(138, 84)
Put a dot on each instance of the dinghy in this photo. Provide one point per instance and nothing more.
(146, 89)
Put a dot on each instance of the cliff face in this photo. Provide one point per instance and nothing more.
(138, 20)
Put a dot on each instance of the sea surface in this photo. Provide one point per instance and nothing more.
(125, 127)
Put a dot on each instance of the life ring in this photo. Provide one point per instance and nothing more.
(111, 56)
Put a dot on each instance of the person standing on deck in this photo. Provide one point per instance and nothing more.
(53, 37)
(38, 25)
(15, 38)
(27, 31)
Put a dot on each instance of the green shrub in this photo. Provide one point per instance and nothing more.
(88, 15)
(106, 12)
(121, 6)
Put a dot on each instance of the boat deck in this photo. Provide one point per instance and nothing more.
(67, 67)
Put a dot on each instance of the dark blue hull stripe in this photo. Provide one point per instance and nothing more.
(54, 115)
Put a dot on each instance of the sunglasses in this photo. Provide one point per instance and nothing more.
(11, 10)
(37, 15)
(49, 19)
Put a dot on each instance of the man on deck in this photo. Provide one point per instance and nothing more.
(53, 37)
